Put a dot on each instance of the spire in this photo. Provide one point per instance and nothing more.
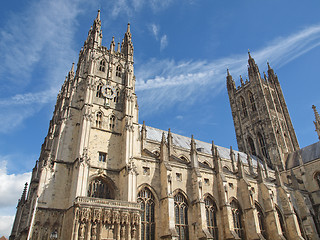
(118, 48)
(232, 159)
(71, 72)
(193, 144)
(230, 82)
(317, 122)
(253, 69)
(24, 193)
(163, 139)
(278, 177)
(271, 75)
(112, 45)
(241, 173)
(127, 46)
(260, 173)
(241, 81)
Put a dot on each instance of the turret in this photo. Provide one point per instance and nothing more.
(231, 86)
(317, 122)
(253, 68)
(94, 38)
(127, 46)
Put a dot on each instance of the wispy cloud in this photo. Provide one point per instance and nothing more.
(168, 82)
(154, 29)
(163, 42)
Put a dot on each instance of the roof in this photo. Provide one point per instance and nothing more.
(184, 142)
(308, 154)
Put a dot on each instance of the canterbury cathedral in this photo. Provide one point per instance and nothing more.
(101, 175)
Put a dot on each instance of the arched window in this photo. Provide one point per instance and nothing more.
(251, 145)
(261, 221)
(118, 71)
(181, 216)
(116, 98)
(262, 145)
(244, 107)
(317, 178)
(183, 158)
(211, 215)
(99, 93)
(146, 201)
(100, 189)
(252, 102)
(112, 122)
(281, 221)
(237, 219)
(99, 120)
(102, 66)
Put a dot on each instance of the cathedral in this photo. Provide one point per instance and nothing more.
(101, 175)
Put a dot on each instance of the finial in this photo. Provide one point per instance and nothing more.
(163, 140)
(72, 67)
(128, 28)
(249, 54)
(317, 122)
(241, 80)
(118, 48)
(228, 73)
(98, 15)
(268, 65)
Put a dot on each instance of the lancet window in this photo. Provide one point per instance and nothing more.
(281, 221)
(146, 201)
(99, 93)
(181, 216)
(102, 66)
(244, 107)
(118, 71)
(211, 215)
(112, 122)
(100, 189)
(252, 102)
(261, 221)
(237, 219)
(251, 145)
(99, 119)
(262, 145)
(116, 98)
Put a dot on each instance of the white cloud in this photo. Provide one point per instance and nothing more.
(163, 42)
(154, 30)
(11, 186)
(164, 82)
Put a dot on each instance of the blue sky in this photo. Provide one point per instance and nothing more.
(182, 50)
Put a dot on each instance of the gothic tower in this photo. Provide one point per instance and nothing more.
(88, 150)
(262, 122)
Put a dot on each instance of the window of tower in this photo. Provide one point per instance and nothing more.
(251, 145)
(102, 157)
(211, 215)
(102, 66)
(261, 221)
(118, 71)
(99, 119)
(262, 145)
(282, 222)
(276, 101)
(112, 122)
(98, 188)
(99, 93)
(146, 201)
(237, 219)
(244, 107)
(252, 102)
(116, 98)
(181, 216)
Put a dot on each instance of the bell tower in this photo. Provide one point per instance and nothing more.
(262, 122)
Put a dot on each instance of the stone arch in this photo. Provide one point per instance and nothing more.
(152, 190)
(261, 219)
(101, 186)
(179, 190)
(184, 158)
(243, 106)
(181, 213)
(281, 221)
(251, 145)
(207, 163)
(211, 215)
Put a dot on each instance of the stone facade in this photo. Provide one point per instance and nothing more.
(101, 175)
